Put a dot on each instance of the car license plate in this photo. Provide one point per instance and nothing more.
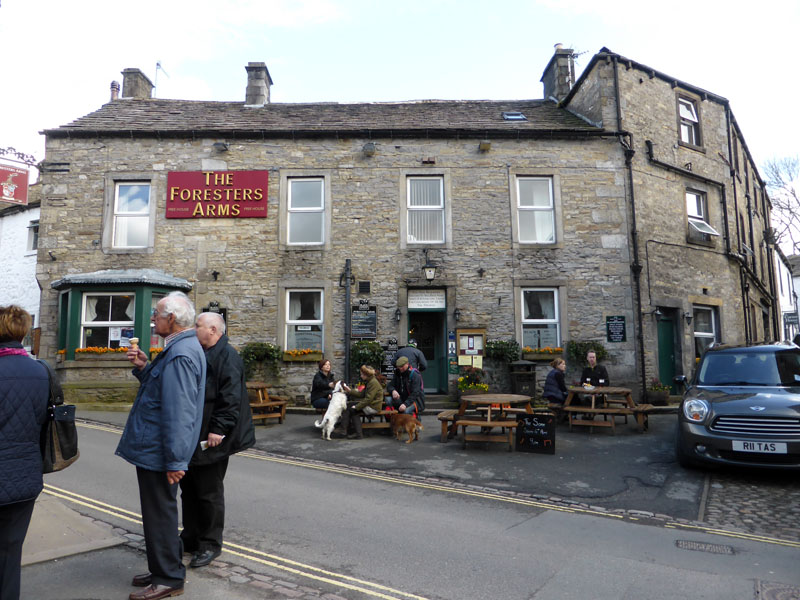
(768, 447)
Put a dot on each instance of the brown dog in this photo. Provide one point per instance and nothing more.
(403, 422)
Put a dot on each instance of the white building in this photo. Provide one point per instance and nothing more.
(19, 239)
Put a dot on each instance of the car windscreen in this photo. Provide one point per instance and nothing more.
(751, 368)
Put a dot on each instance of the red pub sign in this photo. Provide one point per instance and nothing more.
(216, 194)
(13, 184)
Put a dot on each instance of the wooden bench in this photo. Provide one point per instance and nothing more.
(486, 435)
(641, 411)
(265, 407)
(605, 412)
(383, 417)
(447, 417)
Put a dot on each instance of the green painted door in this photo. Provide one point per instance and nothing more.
(428, 329)
(666, 352)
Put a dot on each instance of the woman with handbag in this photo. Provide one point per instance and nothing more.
(24, 392)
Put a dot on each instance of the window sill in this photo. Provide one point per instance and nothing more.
(700, 242)
(689, 146)
(310, 357)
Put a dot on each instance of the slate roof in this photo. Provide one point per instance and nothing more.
(172, 118)
(111, 276)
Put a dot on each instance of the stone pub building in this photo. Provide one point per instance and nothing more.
(624, 207)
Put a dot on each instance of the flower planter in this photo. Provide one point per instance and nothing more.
(540, 356)
(102, 356)
(310, 357)
(657, 398)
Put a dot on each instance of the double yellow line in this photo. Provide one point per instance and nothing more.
(274, 561)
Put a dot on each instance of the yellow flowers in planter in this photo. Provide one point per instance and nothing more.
(300, 351)
(545, 350)
(99, 350)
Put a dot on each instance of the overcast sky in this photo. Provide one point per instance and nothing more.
(60, 56)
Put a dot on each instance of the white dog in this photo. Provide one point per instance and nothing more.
(335, 409)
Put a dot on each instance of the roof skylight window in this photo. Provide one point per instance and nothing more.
(514, 116)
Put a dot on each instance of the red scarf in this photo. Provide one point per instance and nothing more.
(10, 351)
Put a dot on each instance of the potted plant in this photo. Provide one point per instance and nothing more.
(261, 354)
(471, 381)
(502, 350)
(657, 392)
(302, 355)
(101, 353)
(365, 352)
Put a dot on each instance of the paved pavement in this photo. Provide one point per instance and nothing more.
(630, 472)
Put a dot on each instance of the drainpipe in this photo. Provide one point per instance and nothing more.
(636, 266)
(346, 276)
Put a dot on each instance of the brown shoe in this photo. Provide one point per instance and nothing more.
(156, 592)
(142, 580)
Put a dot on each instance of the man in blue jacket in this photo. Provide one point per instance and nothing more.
(160, 436)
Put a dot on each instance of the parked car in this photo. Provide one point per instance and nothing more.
(742, 407)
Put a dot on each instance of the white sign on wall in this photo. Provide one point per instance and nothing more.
(426, 299)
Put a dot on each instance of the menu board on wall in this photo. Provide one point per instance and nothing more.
(364, 323)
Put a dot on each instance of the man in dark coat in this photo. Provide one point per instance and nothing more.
(414, 355)
(406, 389)
(227, 428)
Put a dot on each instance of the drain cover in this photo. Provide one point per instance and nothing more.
(767, 590)
(703, 547)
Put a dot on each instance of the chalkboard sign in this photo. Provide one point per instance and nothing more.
(364, 323)
(615, 329)
(537, 433)
(387, 368)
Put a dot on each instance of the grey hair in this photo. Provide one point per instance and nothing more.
(216, 320)
(178, 304)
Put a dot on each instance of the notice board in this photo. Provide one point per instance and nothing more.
(536, 433)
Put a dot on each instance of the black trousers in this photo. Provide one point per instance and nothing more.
(159, 502)
(14, 521)
(351, 419)
(203, 503)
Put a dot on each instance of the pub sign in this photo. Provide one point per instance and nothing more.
(216, 194)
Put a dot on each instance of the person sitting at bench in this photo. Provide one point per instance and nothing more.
(594, 375)
(555, 388)
(406, 389)
(371, 402)
(322, 385)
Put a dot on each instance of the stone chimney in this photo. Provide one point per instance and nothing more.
(258, 82)
(114, 90)
(559, 74)
(135, 84)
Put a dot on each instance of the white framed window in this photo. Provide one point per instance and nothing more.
(425, 210)
(306, 211)
(33, 235)
(688, 121)
(541, 326)
(697, 212)
(705, 328)
(304, 319)
(131, 214)
(107, 319)
(536, 210)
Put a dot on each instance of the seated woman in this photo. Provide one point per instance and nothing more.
(371, 402)
(322, 386)
(555, 389)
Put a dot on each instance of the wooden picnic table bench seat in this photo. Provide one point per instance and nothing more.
(265, 406)
(486, 435)
(447, 417)
(382, 421)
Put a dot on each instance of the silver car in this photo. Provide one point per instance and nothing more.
(742, 408)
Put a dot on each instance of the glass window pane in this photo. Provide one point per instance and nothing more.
(122, 308)
(131, 232)
(703, 322)
(306, 194)
(539, 304)
(536, 226)
(305, 228)
(133, 198)
(694, 205)
(304, 336)
(535, 192)
(540, 336)
(425, 225)
(305, 306)
(425, 192)
(687, 110)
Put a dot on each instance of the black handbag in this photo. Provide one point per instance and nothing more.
(59, 436)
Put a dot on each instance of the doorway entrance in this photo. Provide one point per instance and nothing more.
(428, 328)
(666, 352)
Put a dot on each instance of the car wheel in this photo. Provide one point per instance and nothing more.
(681, 455)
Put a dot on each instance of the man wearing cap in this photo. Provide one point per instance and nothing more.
(415, 356)
(406, 389)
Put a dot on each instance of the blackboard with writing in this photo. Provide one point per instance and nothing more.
(615, 329)
(364, 323)
(537, 433)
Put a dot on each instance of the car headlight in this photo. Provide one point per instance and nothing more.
(695, 410)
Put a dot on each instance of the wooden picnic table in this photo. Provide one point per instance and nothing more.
(497, 409)
(607, 402)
